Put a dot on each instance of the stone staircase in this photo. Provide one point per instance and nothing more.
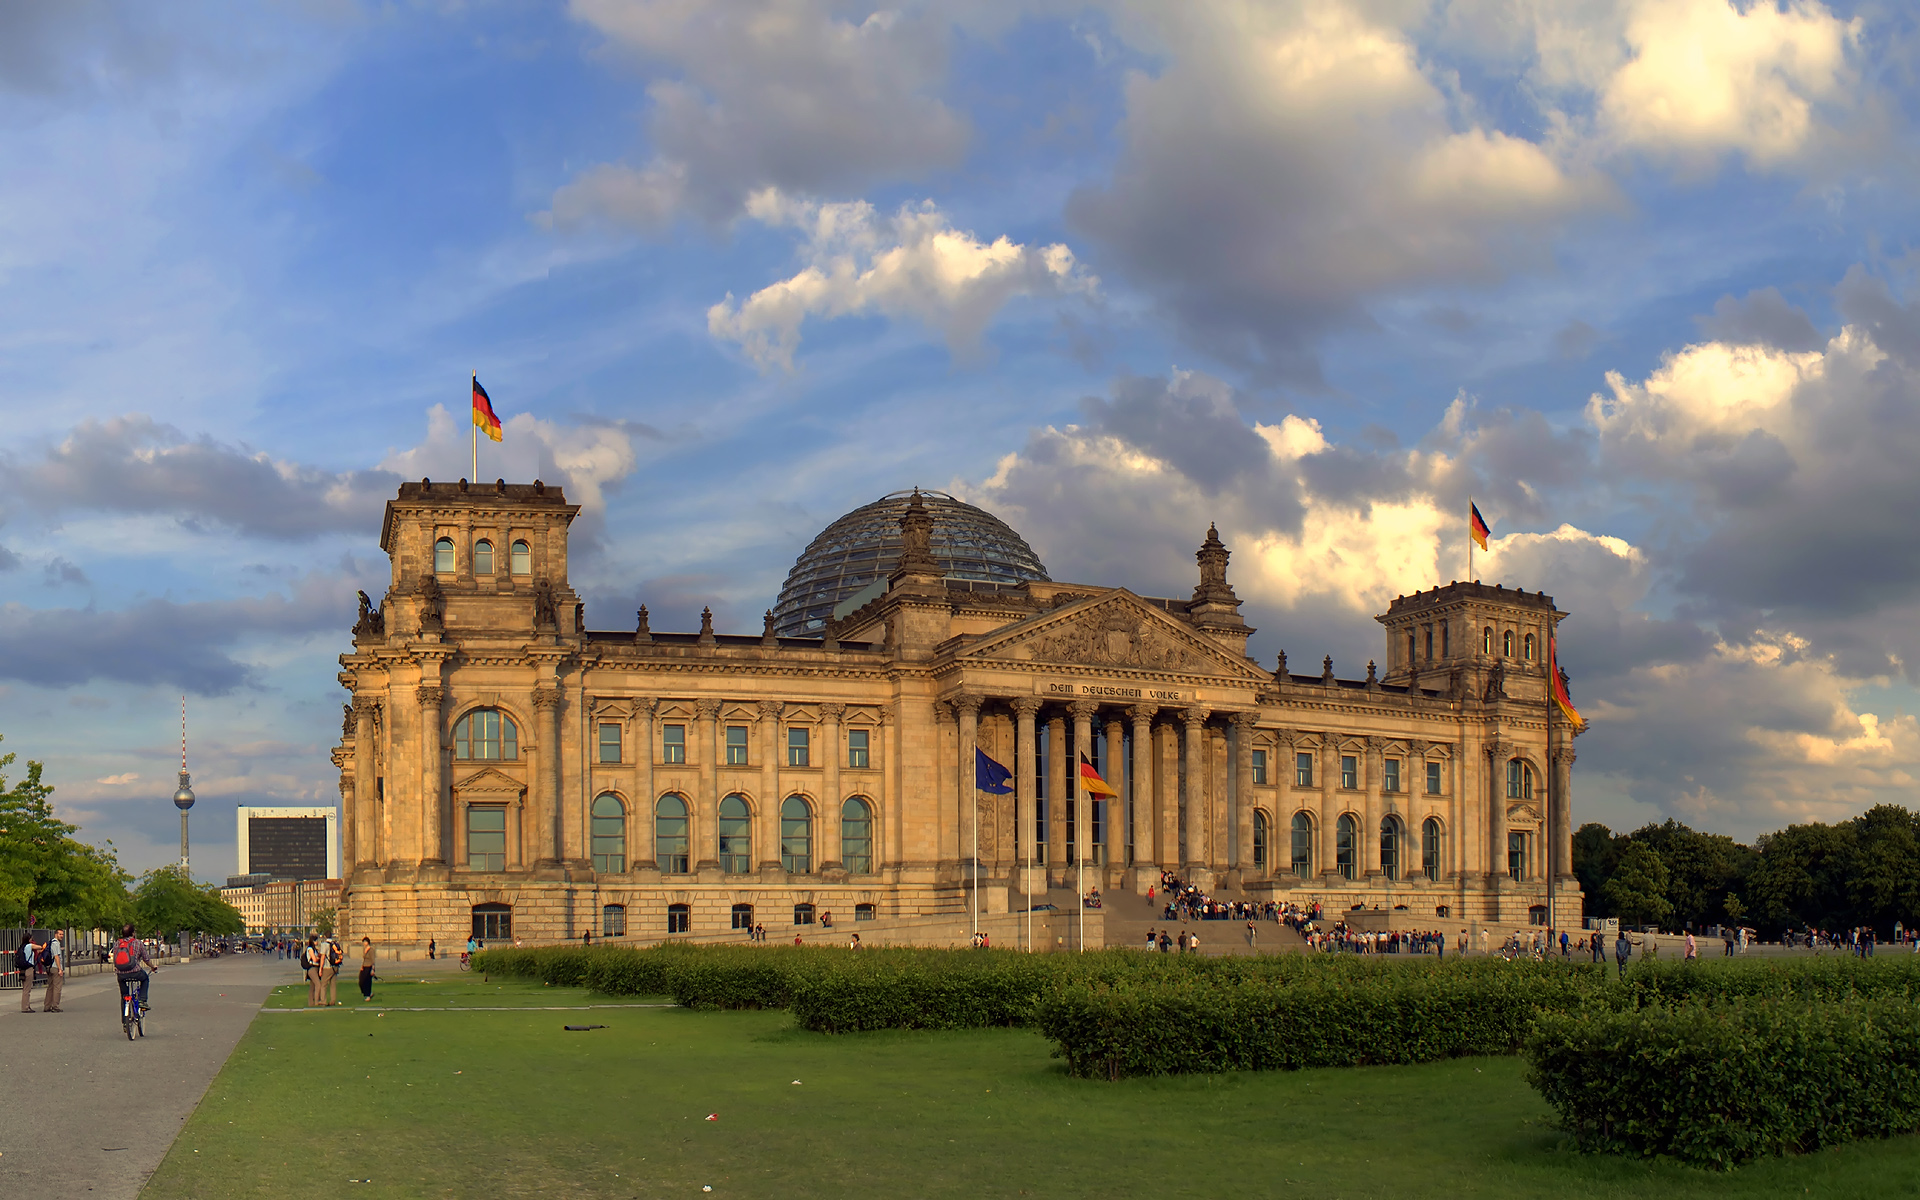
(1128, 917)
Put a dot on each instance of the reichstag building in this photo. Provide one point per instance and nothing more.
(505, 770)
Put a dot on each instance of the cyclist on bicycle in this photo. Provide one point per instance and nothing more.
(128, 953)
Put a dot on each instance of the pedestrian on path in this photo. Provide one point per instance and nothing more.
(331, 956)
(433, 948)
(23, 963)
(55, 955)
(310, 965)
(366, 969)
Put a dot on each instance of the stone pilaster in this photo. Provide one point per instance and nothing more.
(1195, 721)
(546, 779)
(1026, 755)
(1140, 778)
(766, 814)
(827, 816)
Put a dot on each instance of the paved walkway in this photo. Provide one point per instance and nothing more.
(92, 1114)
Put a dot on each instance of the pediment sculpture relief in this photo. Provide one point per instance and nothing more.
(1113, 637)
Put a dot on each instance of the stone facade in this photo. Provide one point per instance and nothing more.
(504, 768)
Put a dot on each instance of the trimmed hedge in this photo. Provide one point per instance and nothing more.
(1169, 1027)
(1720, 1085)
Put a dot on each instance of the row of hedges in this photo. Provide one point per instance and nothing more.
(1719, 1085)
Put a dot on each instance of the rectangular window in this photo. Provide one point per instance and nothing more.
(673, 743)
(857, 749)
(797, 746)
(1259, 766)
(613, 920)
(736, 745)
(1303, 770)
(679, 918)
(1517, 855)
(486, 839)
(803, 914)
(1390, 775)
(1349, 771)
(609, 742)
(1433, 779)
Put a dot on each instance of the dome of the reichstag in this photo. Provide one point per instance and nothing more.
(863, 547)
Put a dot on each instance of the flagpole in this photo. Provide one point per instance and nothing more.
(1553, 665)
(1469, 537)
(976, 842)
(476, 428)
(1080, 860)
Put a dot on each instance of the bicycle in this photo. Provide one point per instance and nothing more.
(131, 1014)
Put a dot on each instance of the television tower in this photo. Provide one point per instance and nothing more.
(183, 799)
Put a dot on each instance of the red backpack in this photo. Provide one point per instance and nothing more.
(126, 952)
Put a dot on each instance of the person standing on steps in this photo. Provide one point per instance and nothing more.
(366, 969)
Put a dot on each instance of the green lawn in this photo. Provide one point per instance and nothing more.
(478, 1103)
(462, 991)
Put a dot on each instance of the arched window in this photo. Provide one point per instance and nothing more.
(609, 833)
(1410, 645)
(803, 914)
(796, 835)
(1529, 648)
(1393, 835)
(856, 836)
(492, 922)
(522, 558)
(1506, 644)
(483, 557)
(1444, 640)
(743, 916)
(1302, 860)
(1519, 779)
(670, 834)
(486, 733)
(613, 920)
(1346, 840)
(1429, 643)
(1486, 640)
(1430, 848)
(443, 557)
(1259, 840)
(736, 835)
(679, 918)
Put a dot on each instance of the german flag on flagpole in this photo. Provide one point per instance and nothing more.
(484, 418)
(1558, 680)
(1477, 525)
(1090, 780)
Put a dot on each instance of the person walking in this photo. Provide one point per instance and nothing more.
(366, 969)
(310, 967)
(55, 954)
(1693, 950)
(1622, 948)
(23, 963)
(433, 948)
(331, 956)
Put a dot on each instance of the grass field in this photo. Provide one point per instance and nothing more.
(470, 1102)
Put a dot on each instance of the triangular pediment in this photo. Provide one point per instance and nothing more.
(490, 781)
(1115, 630)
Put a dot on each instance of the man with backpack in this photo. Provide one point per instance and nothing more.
(128, 953)
(331, 957)
(310, 967)
(23, 964)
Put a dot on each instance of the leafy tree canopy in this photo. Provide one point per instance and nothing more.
(47, 877)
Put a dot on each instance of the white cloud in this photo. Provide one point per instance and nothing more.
(587, 459)
(913, 264)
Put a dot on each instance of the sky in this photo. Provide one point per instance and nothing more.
(1636, 276)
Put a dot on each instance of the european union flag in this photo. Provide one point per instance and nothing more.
(990, 776)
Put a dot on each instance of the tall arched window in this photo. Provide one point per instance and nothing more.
(1346, 840)
(670, 834)
(1302, 848)
(1393, 835)
(522, 558)
(856, 836)
(486, 733)
(1259, 840)
(1410, 645)
(1429, 632)
(609, 833)
(1486, 640)
(1519, 779)
(1506, 644)
(483, 557)
(1529, 648)
(443, 557)
(1430, 848)
(796, 835)
(736, 835)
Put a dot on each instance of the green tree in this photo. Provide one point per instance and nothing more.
(1595, 852)
(47, 877)
(168, 903)
(1883, 885)
(1637, 889)
(1701, 869)
(323, 919)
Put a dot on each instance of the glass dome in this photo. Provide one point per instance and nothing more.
(863, 547)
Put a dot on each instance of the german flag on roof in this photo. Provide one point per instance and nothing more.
(484, 417)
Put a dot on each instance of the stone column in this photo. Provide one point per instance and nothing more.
(1243, 723)
(546, 779)
(966, 711)
(640, 816)
(1025, 757)
(1497, 754)
(1121, 780)
(703, 823)
(766, 814)
(887, 803)
(1562, 768)
(1195, 720)
(433, 784)
(1083, 711)
(347, 801)
(1280, 833)
(1166, 794)
(366, 815)
(1140, 775)
(1058, 752)
(1376, 811)
(827, 806)
(1330, 805)
(946, 803)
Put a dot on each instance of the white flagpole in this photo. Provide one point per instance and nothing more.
(475, 380)
(1469, 537)
(1079, 860)
(976, 840)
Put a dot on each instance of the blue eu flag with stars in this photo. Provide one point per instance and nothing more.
(990, 776)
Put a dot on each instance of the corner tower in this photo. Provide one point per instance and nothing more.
(1470, 639)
